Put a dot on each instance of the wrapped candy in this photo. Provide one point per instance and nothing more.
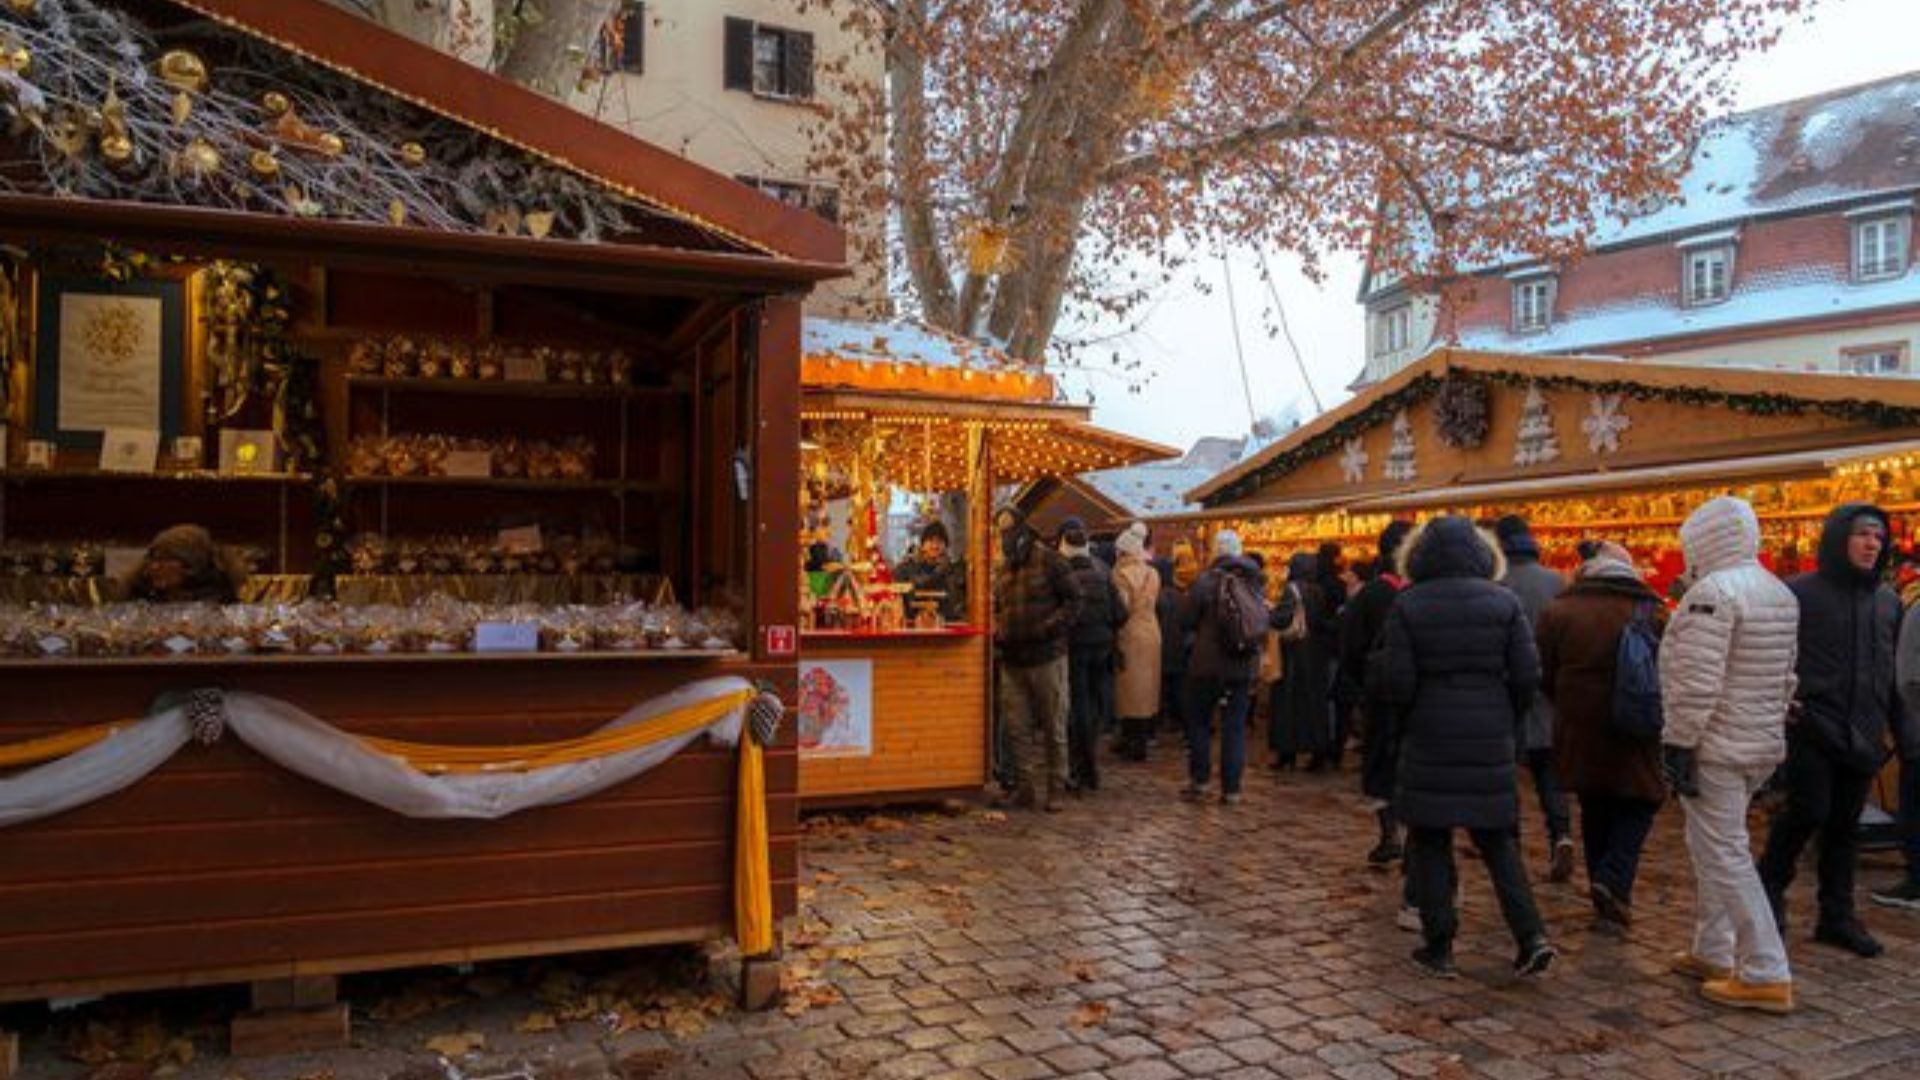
(461, 363)
(401, 358)
(368, 356)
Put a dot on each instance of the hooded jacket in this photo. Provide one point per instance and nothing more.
(1460, 668)
(1036, 601)
(1727, 657)
(1849, 623)
(1210, 658)
(1536, 586)
(1579, 636)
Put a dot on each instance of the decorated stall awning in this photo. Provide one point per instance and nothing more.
(1461, 427)
(919, 397)
(256, 129)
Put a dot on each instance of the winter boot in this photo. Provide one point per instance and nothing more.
(1388, 849)
(1851, 935)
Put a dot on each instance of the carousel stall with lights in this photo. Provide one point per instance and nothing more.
(397, 461)
(1585, 448)
(903, 428)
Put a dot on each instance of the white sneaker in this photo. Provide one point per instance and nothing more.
(1408, 919)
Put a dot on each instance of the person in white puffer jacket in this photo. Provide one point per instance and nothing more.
(1726, 679)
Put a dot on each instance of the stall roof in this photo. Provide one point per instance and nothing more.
(1595, 371)
(542, 126)
(1772, 466)
(907, 356)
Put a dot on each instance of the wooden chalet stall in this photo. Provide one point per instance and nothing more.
(423, 340)
(1583, 448)
(896, 704)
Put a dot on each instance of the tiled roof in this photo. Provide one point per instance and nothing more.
(1155, 488)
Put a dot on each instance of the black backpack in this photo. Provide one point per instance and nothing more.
(1242, 612)
(1637, 712)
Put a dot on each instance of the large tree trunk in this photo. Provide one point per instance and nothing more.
(463, 28)
(549, 55)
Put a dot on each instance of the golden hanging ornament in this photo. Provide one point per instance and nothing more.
(24, 7)
(17, 59)
(116, 149)
(198, 160)
(183, 70)
(275, 103)
(397, 212)
(413, 155)
(264, 164)
(989, 248)
(539, 223)
(182, 107)
(332, 145)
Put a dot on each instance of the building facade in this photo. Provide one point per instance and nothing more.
(751, 88)
(1788, 246)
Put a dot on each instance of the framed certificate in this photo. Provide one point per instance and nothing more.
(110, 356)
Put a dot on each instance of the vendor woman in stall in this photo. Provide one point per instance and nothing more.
(184, 566)
(932, 570)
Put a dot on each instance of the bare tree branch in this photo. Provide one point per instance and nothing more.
(907, 151)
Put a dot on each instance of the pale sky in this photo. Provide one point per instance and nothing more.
(1185, 342)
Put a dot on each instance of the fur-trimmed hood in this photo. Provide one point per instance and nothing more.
(1450, 547)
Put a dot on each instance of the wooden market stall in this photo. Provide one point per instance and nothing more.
(1584, 448)
(896, 703)
(504, 406)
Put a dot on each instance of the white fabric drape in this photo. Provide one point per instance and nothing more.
(303, 744)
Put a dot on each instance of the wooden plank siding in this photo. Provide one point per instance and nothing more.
(220, 860)
(930, 713)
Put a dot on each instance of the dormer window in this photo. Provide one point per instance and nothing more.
(1392, 329)
(1880, 246)
(1707, 273)
(1533, 303)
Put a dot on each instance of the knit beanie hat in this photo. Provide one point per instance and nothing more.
(1226, 542)
(1133, 541)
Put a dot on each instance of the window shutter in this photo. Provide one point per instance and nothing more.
(796, 78)
(633, 39)
(826, 202)
(739, 54)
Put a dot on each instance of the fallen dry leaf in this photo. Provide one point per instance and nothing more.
(1092, 1014)
(536, 1022)
(456, 1046)
(995, 816)
(900, 864)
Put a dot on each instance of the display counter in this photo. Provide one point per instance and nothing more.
(916, 721)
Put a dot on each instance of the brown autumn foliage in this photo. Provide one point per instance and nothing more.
(1038, 151)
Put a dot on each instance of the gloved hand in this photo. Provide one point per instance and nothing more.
(1681, 767)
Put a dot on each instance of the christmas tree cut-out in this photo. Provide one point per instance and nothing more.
(1400, 456)
(1536, 443)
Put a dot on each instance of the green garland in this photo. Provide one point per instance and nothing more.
(1853, 410)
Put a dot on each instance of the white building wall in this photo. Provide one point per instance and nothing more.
(1423, 326)
(1803, 352)
(680, 102)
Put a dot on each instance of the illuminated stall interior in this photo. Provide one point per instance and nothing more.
(908, 420)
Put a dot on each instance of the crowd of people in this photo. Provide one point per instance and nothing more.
(1458, 661)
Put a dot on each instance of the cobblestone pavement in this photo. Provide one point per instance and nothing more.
(1133, 937)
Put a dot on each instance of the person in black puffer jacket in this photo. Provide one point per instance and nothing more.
(1089, 656)
(1361, 623)
(1845, 706)
(1460, 668)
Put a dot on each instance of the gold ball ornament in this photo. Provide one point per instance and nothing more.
(332, 145)
(116, 149)
(17, 60)
(413, 154)
(200, 160)
(183, 70)
(24, 7)
(264, 165)
(275, 103)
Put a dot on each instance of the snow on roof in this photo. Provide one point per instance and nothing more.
(905, 340)
(1845, 144)
(1157, 487)
(1857, 142)
(1804, 293)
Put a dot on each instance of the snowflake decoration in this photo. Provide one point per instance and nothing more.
(1605, 422)
(1353, 460)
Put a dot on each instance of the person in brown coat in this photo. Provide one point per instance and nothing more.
(1616, 777)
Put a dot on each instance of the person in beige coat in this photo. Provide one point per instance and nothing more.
(1137, 648)
(1726, 678)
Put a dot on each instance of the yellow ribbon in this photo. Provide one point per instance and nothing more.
(752, 866)
(437, 759)
(52, 747)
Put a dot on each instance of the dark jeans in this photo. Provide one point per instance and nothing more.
(1431, 871)
(1553, 801)
(1173, 699)
(1910, 817)
(1090, 710)
(1824, 799)
(1203, 696)
(1614, 830)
